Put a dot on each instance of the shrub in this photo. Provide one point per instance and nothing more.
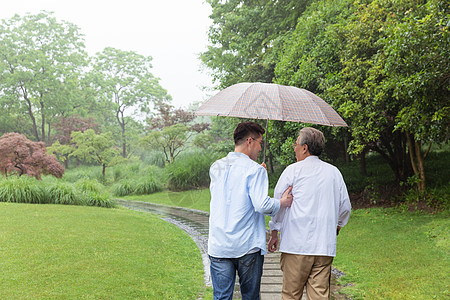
(190, 171)
(65, 193)
(124, 187)
(28, 190)
(19, 155)
(148, 185)
(22, 189)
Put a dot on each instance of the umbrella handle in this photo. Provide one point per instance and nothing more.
(265, 141)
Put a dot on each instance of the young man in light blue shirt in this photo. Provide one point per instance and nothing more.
(239, 201)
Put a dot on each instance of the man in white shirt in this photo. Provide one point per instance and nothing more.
(309, 227)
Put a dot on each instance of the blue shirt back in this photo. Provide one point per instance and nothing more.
(239, 201)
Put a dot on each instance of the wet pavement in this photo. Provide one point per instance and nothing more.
(196, 224)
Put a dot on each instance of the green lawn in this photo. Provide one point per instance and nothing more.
(388, 254)
(78, 252)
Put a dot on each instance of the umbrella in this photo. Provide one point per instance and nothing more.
(270, 101)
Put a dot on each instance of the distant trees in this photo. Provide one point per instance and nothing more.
(98, 148)
(170, 130)
(124, 79)
(20, 156)
(41, 61)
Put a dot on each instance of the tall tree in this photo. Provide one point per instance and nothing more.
(417, 64)
(41, 60)
(243, 35)
(127, 84)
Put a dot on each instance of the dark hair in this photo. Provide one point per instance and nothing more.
(313, 138)
(245, 129)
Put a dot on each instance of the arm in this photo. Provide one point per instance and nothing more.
(284, 183)
(345, 206)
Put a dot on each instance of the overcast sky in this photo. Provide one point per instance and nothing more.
(173, 32)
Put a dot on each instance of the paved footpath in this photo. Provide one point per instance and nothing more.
(196, 224)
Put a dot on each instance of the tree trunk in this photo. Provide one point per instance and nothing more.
(362, 162)
(271, 163)
(417, 161)
(103, 170)
(30, 113)
(121, 120)
(43, 121)
(347, 156)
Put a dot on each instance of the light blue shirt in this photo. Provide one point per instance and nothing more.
(239, 201)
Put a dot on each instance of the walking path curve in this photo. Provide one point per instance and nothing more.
(196, 224)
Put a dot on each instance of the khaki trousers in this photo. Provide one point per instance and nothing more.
(309, 270)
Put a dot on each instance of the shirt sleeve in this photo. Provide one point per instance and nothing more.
(285, 181)
(258, 189)
(344, 205)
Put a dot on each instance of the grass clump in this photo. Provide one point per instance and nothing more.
(22, 189)
(190, 171)
(25, 189)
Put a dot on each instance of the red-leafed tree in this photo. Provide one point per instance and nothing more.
(64, 127)
(20, 156)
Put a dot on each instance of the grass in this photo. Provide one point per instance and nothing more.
(79, 252)
(387, 254)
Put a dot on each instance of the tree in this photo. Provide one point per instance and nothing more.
(243, 36)
(417, 64)
(171, 140)
(41, 62)
(97, 148)
(19, 155)
(167, 115)
(125, 80)
(310, 55)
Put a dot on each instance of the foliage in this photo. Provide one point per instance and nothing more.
(28, 190)
(64, 126)
(191, 171)
(41, 64)
(243, 36)
(125, 77)
(21, 156)
(137, 186)
(171, 140)
(89, 252)
(92, 147)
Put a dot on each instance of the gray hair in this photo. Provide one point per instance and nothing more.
(313, 138)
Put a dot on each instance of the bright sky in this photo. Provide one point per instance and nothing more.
(173, 32)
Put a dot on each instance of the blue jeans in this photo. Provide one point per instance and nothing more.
(223, 274)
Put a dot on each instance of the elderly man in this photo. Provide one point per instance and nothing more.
(239, 201)
(309, 227)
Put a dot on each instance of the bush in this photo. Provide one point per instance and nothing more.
(190, 171)
(23, 189)
(28, 190)
(124, 187)
(139, 181)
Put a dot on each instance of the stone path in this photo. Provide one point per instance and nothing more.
(196, 224)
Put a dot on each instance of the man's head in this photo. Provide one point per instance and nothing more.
(248, 138)
(310, 141)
